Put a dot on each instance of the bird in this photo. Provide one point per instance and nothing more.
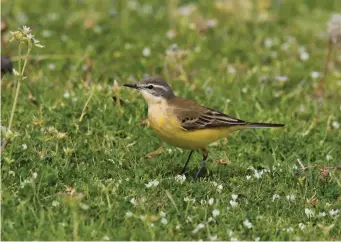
(184, 123)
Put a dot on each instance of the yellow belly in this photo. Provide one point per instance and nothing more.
(169, 130)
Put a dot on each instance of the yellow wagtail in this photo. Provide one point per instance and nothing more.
(184, 123)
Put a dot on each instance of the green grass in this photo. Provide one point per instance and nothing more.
(103, 156)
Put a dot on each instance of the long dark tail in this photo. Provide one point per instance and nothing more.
(263, 125)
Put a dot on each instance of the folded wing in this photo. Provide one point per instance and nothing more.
(193, 116)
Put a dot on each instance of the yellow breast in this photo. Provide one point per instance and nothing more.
(168, 127)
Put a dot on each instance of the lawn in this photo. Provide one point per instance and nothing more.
(81, 165)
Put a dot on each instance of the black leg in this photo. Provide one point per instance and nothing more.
(184, 168)
(202, 163)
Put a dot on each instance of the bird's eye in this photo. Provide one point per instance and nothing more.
(150, 87)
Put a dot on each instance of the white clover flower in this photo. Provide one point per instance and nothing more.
(153, 183)
(24, 146)
(268, 43)
(178, 227)
(248, 177)
(211, 201)
(291, 197)
(282, 78)
(234, 197)
(315, 74)
(219, 188)
(146, 52)
(309, 212)
(321, 214)
(301, 226)
(162, 214)
(180, 178)
(164, 221)
(304, 56)
(129, 214)
(290, 229)
(335, 125)
(133, 201)
(215, 212)
(275, 196)
(233, 203)
(244, 90)
(66, 95)
(247, 224)
(55, 203)
(333, 212)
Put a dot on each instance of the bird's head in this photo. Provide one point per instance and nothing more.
(153, 89)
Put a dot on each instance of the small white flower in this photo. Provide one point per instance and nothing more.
(234, 197)
(24, 146)
(164, 221)
(244, 90)
(268, 43)
(219, 188)
(51, 66)
(335, 125)
(30, 36)
(187, 199)
(26, 29)
(315, 74)
(142, 217)
(162, 214)
(152, 225)
(301, 226)
(321, 214)
(74, 99)
(309, 212)
(248, 177)
(214, 184)
(333, 212)
(55, 203)
(129, 214)
(282, 78)
(215, 212)
(146, 52)
(178, 227)
(211, 201)
(171, 34)
(275, 196)
(231, 69)
(290, 229)
(180, 178)
(291, 197)
(133, 201)
(66, 95)
(304, 56)
(153, 183)
(233, 203)
(247, 224)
